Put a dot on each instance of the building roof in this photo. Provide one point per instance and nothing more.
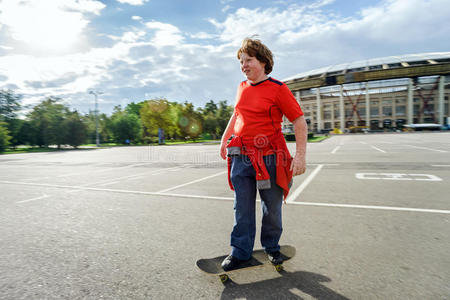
(391, 67)
(388, 62)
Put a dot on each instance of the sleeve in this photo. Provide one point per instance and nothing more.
(238, 97)
(288, 104)
(238, 93)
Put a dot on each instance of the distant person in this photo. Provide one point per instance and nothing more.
(161, 138)
(258, 157)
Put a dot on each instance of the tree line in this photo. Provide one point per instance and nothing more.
(52, 122)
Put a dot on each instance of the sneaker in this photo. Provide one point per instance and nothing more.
(275, 258)
(230, 263)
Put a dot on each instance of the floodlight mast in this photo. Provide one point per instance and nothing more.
(96, 93)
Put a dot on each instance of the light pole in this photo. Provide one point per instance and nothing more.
(96, 93)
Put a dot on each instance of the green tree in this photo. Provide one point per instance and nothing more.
(210, 121)
(216, 117)
(47, 117)
(159, 113)
(74, 129)
(4, 137)
(189, 121)
(210, 108)
(223, 115)
(210, 125)
(89, 122)
(104, 128)
(27, 134)
(134, 108)
(125, 126)
(9, 105)
(14, 128)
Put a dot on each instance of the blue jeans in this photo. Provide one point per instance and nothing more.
(243, 178)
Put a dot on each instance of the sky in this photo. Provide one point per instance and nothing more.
(185, 50)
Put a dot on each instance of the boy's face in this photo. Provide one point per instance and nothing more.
(251, 67)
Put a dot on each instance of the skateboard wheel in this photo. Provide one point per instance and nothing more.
(279, 268)
(224, 278)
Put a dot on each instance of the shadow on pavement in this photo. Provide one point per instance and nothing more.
(284, 287)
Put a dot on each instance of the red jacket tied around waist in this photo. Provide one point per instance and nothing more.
(256, 148)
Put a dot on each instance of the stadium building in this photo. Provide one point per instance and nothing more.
(376, 94)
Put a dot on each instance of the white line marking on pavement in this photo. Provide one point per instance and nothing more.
(88, 172)
(335, 149)
(105, 170)
(304, 184)
(398, 176)
(128, 177)
(444, 166)
(436, 150)
(36, 178)
(109, 183)
(364, 143)
(378, 149)
(300, 294)
(438, 211)
(199, 196)
(216, 161)
(133, 176)
(136, 178)
(191, 182)
(230, 198)
(34, 199)
(78, 188)
(75, 189)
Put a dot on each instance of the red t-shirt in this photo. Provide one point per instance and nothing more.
(260, 107)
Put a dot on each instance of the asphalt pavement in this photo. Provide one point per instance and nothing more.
(370, 219)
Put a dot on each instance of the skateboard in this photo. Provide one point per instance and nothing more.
(259, 258)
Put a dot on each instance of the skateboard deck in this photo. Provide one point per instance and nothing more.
(213, 265)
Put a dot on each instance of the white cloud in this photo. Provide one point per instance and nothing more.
(164, 34)
(132, 36)
(203, 35)
(38, 75)
(136, 18)
(403, 20)
(320, 3)
(226, 8)
(264, 22)
(305, 37)
(133, 2)
(85, 6)
(45, 24)
(156, 59)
